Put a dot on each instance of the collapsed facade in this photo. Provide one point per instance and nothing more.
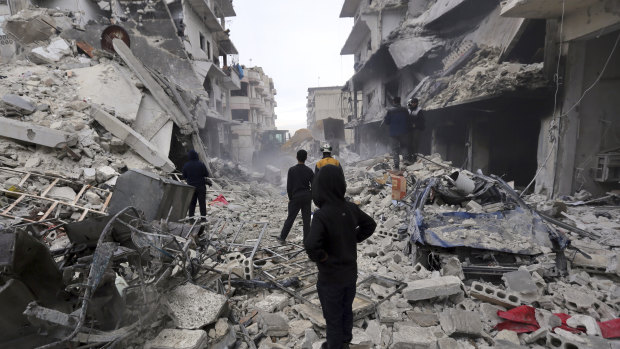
(183, 45)
(327, 112)
(484, 73)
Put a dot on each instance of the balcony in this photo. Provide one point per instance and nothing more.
(274, 92)
(231, 81)
(204, 11)
(253, 77)
(256, 103)
(226, 7)
(239, 102)
(582, 18)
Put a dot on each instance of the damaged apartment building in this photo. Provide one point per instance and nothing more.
(182, 58)
(490, 75)
(328, 110)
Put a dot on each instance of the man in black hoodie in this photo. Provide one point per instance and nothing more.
(299, 195)
(196, 174)
(337, 227)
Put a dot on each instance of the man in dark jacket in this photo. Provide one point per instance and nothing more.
(196, 174)
(400, 127)
(337, 227)
(299, 195)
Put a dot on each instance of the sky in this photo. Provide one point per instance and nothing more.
(298, 45)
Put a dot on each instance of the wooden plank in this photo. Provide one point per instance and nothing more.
(106, 203)
(47, 190)
(17, 201)
(79, 195)
(49, 199)
(49, 210)
(24, 179)
(83, 215)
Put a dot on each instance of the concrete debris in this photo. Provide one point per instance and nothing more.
(96, 248)
(178, 339)
(193, 307)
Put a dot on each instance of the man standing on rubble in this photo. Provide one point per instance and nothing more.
(299, 195)
(400, 127)
(196, 174)
(418, 123)
(327, 159)
(337, 227)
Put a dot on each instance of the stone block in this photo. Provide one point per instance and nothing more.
(19, 104)
(577, 300)
(104, 173)
(299, 327)
(178, 339)
(452, 266)
(423, 319)
(361, 339)
(494, 295)
(414, 337)
(536, 336)
(272, 303)
(275, 325)
(65, 194)
(431, 288)
(457, 322)
(546, 319)
(489, 313)
(520, 281)
(507, 336)
(191, 306)
(89, 175)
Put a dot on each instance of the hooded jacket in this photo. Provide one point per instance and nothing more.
(337, 227)
(194, 171)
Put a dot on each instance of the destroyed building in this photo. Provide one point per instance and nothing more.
(327, 113)
(484, 72)
(96, 250)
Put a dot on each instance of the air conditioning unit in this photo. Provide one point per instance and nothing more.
(607, 167)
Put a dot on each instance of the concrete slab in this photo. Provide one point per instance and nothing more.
(192, 306)
(430, 288)
(18, 103)
(27, 132)
(414, 337)
(112, 86)
(132, 138)
(178, 339)
(275, 325)
(460, 322)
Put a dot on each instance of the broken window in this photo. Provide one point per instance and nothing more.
(242, 115)
(202, 41)
(242, 92)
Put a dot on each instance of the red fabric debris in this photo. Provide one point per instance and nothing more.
(516, 327)
(523, 314)
(220, 201)
(610, 329)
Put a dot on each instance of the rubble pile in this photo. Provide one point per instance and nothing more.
(483, 76)
(428, 278)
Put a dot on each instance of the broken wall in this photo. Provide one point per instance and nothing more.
(7, 45)
(594, 125)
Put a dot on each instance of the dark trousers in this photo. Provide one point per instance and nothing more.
(403, 144)
(200, 195)
(337, 303)
(301, 201)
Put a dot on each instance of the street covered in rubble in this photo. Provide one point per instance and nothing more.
(501, 229)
